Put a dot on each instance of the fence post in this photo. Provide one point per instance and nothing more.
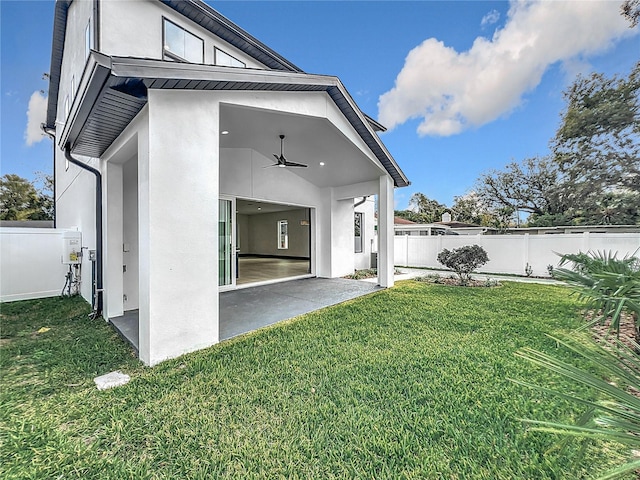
(525, 253)
(406, 250)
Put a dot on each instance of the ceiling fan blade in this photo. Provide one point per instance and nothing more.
(294, 164)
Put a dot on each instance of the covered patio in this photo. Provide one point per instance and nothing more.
(249, 309)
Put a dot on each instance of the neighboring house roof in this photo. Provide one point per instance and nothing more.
(123, 81)
(402, 221)
(456, 224)
(574, 229)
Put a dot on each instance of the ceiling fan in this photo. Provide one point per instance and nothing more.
(283, 162)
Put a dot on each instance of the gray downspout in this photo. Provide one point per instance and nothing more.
(364, 199)
(97, 304)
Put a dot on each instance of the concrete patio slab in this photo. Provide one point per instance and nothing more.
(246, 310)
(251, 308)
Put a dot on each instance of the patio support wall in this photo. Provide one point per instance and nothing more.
(112, 203)
(179, 192)
(385, 232)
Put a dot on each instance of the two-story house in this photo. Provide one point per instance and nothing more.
(185, 147)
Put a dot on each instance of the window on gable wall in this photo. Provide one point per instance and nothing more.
(88, 39)
(358, 231)
(180, 45)
(223, 58)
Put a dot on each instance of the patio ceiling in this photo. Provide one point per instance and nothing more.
(308, 140)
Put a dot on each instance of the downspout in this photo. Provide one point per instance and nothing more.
(364, 199)
(97, 301)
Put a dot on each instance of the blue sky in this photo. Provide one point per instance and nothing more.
(458, 105)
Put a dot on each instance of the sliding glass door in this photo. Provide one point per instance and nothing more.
(226, 254)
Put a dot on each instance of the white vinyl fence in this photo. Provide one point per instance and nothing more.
(31, 263)
(512, 253)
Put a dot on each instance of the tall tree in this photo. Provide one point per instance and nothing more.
(529, 186)
(597, 146)
(429, 210)
(20, 200)
(631, 11)
(468, 208)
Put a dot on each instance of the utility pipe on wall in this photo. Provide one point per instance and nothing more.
(97, 301)
(364, 199)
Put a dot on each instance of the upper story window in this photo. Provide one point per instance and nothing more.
(223, 58)
(88, 39)
(180, 45)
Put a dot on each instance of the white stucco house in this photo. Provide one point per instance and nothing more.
(167, 121)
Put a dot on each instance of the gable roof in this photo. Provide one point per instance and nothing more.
(115, 90)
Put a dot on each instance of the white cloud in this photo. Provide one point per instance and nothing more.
(452, 91)
(490, 18)
(36, 115)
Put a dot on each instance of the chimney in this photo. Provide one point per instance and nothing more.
(446, 217)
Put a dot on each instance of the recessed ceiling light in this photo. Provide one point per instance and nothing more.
(322, 164)
(225, 132)
(259, 208)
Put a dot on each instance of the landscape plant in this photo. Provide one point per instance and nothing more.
(610, 286)
(613, 412)
(463, 260)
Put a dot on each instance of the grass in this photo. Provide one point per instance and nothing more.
(410, 382)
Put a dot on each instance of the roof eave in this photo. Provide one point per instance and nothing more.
(57, 48)
(104, 74)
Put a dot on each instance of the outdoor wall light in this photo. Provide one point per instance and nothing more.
(224, 132)
(322, 164)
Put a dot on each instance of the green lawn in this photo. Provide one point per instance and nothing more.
(410, 382)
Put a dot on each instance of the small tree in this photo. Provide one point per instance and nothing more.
(463, 260)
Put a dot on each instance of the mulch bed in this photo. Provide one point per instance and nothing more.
(455, 281)
(603, 334)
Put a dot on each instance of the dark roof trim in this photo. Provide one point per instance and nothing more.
(57, 49)
(123, 81)
(378, 127)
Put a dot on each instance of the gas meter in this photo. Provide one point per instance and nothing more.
(72, 248)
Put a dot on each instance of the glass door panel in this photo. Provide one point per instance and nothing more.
(225, 243)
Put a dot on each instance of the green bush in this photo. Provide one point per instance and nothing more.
(606, 284)
(463, 260)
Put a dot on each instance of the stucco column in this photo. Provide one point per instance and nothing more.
(144, 243)
(385, 232)
(112, 201)
(183, 194)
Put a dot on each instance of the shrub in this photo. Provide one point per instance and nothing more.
(463, 260)
(607, 284)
